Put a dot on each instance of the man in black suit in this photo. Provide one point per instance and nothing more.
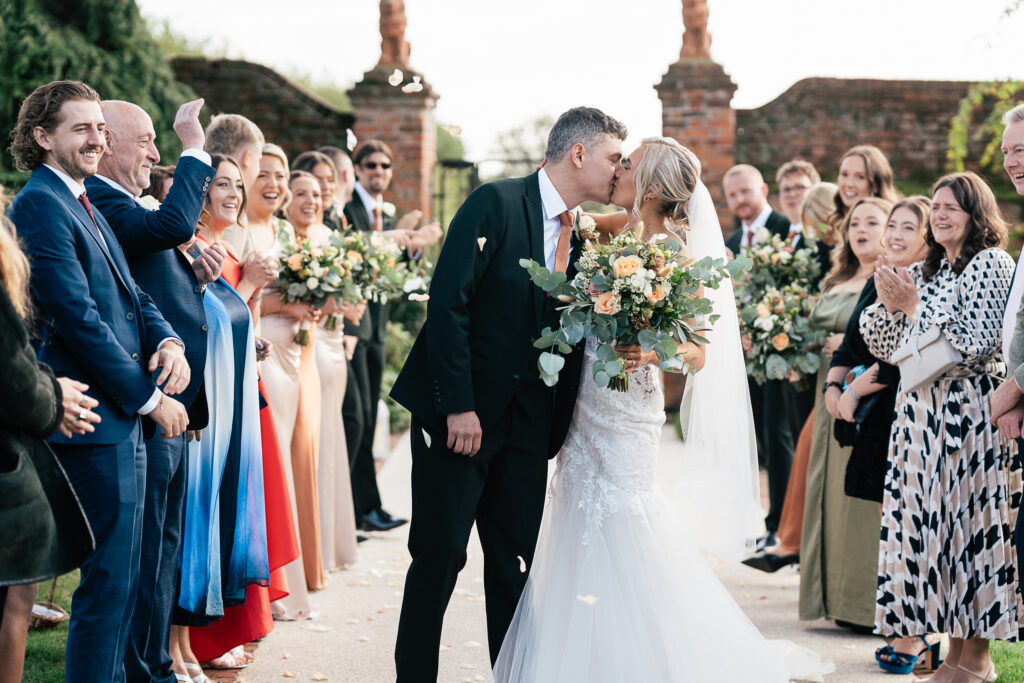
(150, 240)
(776, 403)
(484, 425)
(367, 212)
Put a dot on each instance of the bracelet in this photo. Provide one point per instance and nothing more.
(853, 393)
(826, 385)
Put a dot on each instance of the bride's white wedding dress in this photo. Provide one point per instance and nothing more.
(618, 590)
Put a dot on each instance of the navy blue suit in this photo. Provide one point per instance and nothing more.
(98, 327)
(149, 240)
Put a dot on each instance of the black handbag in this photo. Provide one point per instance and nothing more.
(847, 433)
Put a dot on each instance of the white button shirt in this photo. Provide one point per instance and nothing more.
(553, 206)
(755, 225)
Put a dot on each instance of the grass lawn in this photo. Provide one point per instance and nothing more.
(44, 655)
(1009, 661)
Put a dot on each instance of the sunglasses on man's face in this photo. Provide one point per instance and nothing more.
(372, 165)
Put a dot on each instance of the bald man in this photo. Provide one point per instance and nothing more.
(176, 284)
(746, 193)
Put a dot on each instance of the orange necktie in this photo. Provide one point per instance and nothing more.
(378, 219)
(564, 238)
(749, 242)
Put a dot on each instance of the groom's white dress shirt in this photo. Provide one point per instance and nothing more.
(1013, 304)
(553, 205)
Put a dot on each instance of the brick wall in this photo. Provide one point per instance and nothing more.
(820, 118)
(288, 114)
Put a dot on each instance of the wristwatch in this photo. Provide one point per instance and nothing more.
(826, 385)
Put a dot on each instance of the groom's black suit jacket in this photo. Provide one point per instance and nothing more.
(777, 224)
(475, 351)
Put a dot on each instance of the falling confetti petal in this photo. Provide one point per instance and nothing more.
(364, 639)
(469, 666)
(415, 86)
(319, 629)
(351, 621)
(587, 599)
(320, 677)
(481, 241)
(290, 674)
(416, 296)
(350, 139)
(454, 130)
(285, 655)
(471, 643)
(445, 647)
(522, 564)
(396, 77)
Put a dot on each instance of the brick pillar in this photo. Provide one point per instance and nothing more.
(405, 121)
(696, 110)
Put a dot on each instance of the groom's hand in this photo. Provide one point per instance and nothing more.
(464, 433)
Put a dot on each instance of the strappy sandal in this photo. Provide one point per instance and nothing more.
(989, 677)
(195, 672)
(904, 663)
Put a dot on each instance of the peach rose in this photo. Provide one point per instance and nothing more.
(747, 342)
(354, 256)
(607, 303)
(657, 295)
(763, 311)
(295, 262)
(780, 341)
(626, 266)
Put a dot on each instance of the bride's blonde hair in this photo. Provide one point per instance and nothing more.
(670, 172)
(14, 269)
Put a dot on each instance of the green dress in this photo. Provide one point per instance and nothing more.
(839, 543)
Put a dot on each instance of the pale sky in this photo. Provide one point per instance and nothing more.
(497, 65)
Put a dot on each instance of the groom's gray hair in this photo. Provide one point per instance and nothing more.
(583, 125)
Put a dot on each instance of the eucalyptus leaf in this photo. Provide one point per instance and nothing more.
(776, 367)
(647, 339)
(613, 367)
(673, 363)
(550, 363)
(667, 348)
(606, 352)
(601, 378)
(600, 282)
(564, 348)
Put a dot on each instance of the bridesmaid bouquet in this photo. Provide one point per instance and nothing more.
(777, 337)
(774, 302)
(396, 276)
(628, 292)
(313, 275)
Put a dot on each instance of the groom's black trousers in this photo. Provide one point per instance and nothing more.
(502, 489)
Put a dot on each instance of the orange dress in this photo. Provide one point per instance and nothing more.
(791, 520)
(244, 623)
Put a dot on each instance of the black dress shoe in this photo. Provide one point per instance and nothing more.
(856, 628)
(770, 562)
(375, 521)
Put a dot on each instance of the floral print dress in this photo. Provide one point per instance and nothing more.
(947, 560)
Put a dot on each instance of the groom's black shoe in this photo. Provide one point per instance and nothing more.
(770, 562)
(379, 520)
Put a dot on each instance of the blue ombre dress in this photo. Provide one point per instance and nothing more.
(224, 538)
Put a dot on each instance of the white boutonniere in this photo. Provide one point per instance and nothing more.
(586, 227)
(388, 209)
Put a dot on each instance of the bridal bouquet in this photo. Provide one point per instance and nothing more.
(628, 292)
(777, 337)
(396, 277)
(314, 275)
(774, 302)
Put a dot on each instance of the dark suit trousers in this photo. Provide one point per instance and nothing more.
(778, 418)
(147, 658)
(1018, 531)
(365, 372)
(502, 490)
(110, 482)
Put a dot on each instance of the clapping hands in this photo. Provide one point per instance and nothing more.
(895, 287)
(187, 125)
(208, 264)
(259, 271)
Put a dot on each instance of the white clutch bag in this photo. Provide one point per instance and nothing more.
(925, 357)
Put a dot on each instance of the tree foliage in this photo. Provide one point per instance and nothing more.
(104, 43)
(975, 132)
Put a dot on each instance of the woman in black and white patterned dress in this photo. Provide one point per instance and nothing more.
(947, 559)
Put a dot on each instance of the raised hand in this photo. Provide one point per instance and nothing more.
(187, 126)
(208, 264)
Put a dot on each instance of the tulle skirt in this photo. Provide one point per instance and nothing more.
(638, 602)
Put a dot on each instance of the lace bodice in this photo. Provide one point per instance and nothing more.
(607, 462)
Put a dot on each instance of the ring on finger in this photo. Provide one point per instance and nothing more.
(81, 416)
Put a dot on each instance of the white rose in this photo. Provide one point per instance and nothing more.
(312, 283)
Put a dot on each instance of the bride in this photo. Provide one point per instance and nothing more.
(618, 591)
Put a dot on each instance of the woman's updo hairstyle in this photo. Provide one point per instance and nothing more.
(670, 172)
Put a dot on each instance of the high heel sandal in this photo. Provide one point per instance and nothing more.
(903, 663)
(988, 677)
(199, 676)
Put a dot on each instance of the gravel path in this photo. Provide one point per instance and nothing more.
(352, 639)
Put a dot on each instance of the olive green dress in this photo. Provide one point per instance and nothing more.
(839, 544)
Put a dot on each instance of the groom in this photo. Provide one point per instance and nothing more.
(483, 424)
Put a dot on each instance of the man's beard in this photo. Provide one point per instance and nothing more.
(72, 164)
